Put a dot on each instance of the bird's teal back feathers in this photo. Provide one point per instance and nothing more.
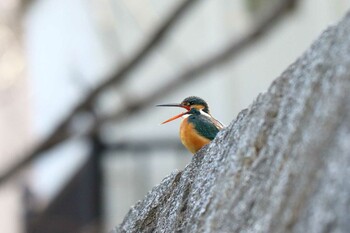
(203, 125)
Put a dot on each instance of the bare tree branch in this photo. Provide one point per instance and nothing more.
(62, 131)
(227, 53)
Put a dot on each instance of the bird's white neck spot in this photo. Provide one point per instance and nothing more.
(204, 113)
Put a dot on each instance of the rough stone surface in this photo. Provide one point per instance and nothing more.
(282, 166)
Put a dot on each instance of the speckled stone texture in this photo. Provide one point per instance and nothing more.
(282, 166)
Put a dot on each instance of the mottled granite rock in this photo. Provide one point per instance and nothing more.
(282, 166)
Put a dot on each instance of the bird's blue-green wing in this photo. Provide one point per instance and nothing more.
(204, 126)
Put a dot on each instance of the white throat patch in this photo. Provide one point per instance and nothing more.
(204, 113)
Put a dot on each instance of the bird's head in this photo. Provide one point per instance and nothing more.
(195, 102)
(192, 104)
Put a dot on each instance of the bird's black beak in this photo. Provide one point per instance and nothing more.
(174, 105)
(169, 105)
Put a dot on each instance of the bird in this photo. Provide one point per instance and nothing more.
(198, 127)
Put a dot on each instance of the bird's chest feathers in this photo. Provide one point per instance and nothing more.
(190, 138)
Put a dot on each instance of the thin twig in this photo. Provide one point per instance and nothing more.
(62, 130)
(226, 54)
(62, 133)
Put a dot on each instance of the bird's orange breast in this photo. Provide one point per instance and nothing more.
(190, 138)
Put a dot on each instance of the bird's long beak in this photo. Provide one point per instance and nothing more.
(174, 105)
(170, 105)
(174, 117)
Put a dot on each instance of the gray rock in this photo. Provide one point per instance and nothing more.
(282, 166)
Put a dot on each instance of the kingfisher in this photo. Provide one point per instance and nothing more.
(198, 127)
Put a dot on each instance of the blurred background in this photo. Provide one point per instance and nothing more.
(54, 55)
